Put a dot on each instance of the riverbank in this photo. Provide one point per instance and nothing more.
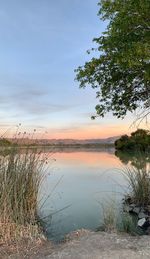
(84, 244)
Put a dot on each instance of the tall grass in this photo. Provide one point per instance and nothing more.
(139, 184)
(114, 219)
(109, 210)
(20, 178)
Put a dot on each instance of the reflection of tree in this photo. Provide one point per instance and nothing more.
(8, 151)
(136, 159)
(4, 152)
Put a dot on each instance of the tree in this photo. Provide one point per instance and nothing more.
(121, 72)
(141, 133)
(138, 141)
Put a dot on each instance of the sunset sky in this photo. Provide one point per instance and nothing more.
(41, 43)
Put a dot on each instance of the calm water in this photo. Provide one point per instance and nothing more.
(76, 185)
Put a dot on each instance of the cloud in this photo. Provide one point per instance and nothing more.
(26, 99)
(38, 108)
(30, 93)
(31, 106)
(68, 129)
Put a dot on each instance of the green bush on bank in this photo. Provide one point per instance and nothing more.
(139, 140)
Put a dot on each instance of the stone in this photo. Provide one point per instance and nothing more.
(142, 215)
(148, 231)
(129, 207)
(146, 224)
(136, 210)
(141, 222)
(132, 205)
(148, 207)
(127, 199)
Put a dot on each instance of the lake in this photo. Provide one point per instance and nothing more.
(78, 183)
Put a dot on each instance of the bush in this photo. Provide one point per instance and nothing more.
(139, 140)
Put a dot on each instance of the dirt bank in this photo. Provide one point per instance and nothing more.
(90, 245)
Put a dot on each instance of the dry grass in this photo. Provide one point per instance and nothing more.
(20, 178)
(109, 215)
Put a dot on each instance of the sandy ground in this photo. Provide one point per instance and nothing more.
(90, 245)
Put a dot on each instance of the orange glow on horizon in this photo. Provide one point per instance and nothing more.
(90, 133)
(84, 132)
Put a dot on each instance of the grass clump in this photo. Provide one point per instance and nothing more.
(20, 178)
(139, 185)
(128, 224)
(115, 220)
(109, 215)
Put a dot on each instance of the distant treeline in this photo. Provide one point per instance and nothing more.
(85, 145)
(6, 143)
(139, 140)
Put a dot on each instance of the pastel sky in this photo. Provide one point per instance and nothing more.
(41, 43)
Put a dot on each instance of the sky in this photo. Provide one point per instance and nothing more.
(41, 44)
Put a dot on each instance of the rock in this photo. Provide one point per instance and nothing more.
(147, 231)
(146, 225)
(132, 205)
(148, 208)
(127, 199)
(136, 210)
(128, 208)
(142, 215)
(131, 208)
(141, 222)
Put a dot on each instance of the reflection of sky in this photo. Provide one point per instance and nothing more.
(41, 43)
(85, 181)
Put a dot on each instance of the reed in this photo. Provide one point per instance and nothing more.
(20, 179)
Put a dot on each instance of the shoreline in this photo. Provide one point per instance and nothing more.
(82, 244)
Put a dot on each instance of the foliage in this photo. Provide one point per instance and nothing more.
(139, 140)
(121, 70)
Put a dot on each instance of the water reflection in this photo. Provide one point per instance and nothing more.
(136, 159)
(87, 180)
(77, 182)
